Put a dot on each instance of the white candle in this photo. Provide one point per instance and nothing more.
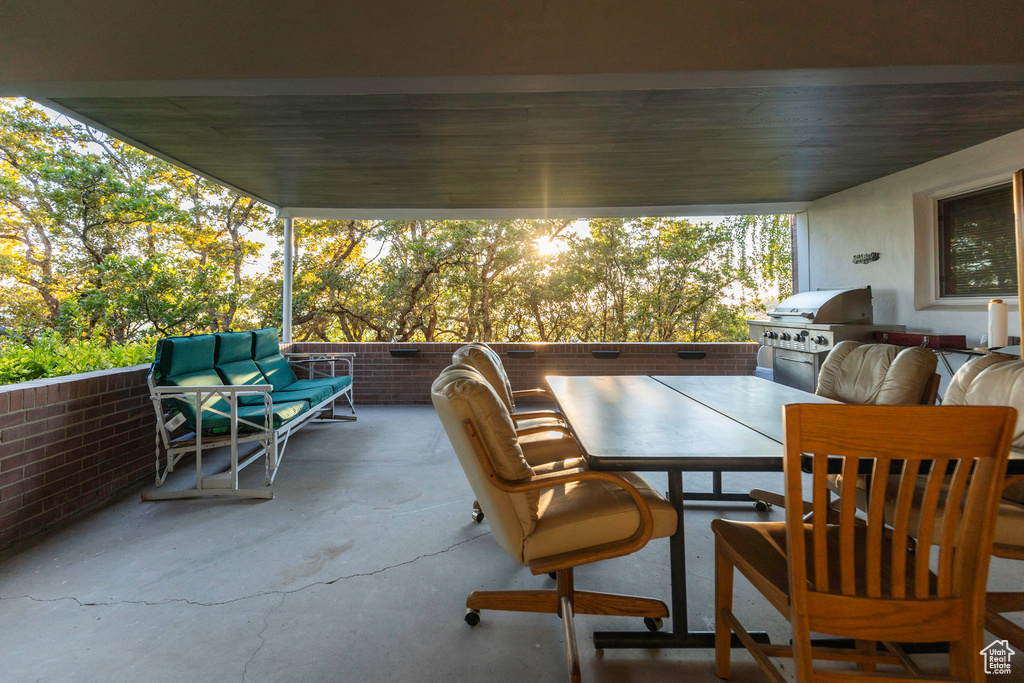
(997, 324)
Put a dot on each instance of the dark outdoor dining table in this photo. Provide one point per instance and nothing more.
(679, 424)
(675, 425)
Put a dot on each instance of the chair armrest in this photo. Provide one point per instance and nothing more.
(532, 414)
(538, 391)
(238, 389)
(309, 360)
(585, 555)
(540, 429)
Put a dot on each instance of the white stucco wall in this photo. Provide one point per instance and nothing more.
(880, 216)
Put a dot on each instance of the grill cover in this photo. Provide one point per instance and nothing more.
(826, 306)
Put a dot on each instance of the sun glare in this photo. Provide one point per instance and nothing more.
(549, 248)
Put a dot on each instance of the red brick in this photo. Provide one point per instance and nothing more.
(12, 419)
(19, 487)
(15, 433)
(44, 412)
(11, 475)
(14, 461)
(40, 465)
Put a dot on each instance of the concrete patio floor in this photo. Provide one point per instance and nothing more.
(356, 571)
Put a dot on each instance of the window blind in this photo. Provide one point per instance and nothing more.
(977, 255)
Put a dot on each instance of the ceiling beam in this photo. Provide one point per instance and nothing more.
(38, 90)
(784, 208)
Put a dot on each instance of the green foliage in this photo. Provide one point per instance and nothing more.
(654, 279)
(104, 247)
(50, 356)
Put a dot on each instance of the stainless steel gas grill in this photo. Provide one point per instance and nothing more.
(803, 329)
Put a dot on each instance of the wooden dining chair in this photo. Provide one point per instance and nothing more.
(857, 578)
(871, 374)
(550, 518)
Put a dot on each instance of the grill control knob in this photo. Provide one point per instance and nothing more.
(785, 336)
(773, 335)
(820, 340)
(765, 334)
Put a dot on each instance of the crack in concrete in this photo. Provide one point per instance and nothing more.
(258, 594)
(266, 625)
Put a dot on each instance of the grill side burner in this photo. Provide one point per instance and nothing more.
(805, 327)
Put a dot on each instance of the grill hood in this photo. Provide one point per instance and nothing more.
(826, 306)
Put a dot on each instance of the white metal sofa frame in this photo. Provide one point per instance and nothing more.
(272, 442)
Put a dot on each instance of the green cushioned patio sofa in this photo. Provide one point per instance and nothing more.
(234, 388)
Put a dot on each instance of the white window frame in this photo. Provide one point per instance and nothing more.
(927, 292)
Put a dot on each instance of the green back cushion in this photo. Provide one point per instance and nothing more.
(241, 372)
(184, 355)
(265, 342)
(267, 353)
(277, 371)
(233, 347)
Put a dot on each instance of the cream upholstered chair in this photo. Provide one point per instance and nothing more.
(550, 518)
(994, 379)
(485, 360)
(997, 380)
(543, 435)
(872, 374)
(850, 577)
(877, 374)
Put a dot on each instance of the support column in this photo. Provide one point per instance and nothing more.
(286, 295)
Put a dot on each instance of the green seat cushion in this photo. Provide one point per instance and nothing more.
(215, 424)
(335, 383)
(184, 355)
(233, 347)
(200, 378)
(277, 371)
(312, 395)
(282, 413)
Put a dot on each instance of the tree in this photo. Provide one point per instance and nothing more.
(98, 238)
(101, 240)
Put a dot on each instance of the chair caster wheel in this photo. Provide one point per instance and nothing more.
(762, 506)
(478, 516)
(472, 617)
(553, 576)
(653, 624)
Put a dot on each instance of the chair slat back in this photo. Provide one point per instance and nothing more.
(961, 450)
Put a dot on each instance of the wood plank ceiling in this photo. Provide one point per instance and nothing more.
(564, 149)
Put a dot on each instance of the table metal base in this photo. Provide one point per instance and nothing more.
(909, 648)
(717, 494)
(610, 640)
(680, 636)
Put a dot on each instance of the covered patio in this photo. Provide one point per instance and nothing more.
(856, 118)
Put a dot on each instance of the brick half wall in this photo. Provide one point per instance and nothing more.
(380, 378)
(71, 443)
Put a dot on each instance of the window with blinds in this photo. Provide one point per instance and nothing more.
(977, 253)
